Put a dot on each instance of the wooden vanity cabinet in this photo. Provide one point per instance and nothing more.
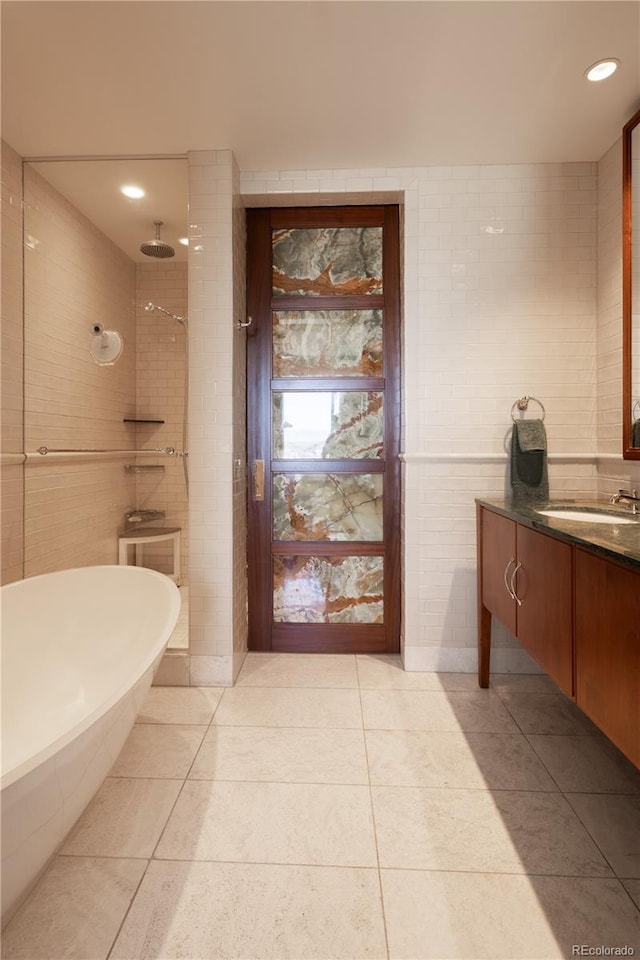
(607, 624)
(526, 582)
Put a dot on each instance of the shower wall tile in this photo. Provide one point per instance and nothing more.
(73, 276)
(11, 354)
(161, 372)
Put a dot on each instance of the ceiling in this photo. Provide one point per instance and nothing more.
(317, 85)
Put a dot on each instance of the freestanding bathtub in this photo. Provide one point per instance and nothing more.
(79, 650)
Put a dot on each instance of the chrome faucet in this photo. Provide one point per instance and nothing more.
(630, 496)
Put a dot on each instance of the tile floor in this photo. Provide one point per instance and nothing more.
(336, 807)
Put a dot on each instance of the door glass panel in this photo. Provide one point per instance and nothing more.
(328, 589)
(327, 343)
(327, 261)
(340, 506)
(326, 425)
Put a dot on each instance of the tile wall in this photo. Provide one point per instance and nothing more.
(217, 425)
(74, 276)
(499, 301)
(161, 367)
(11, 348)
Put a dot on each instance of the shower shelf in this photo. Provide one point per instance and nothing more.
(140, 420)
(144, 468)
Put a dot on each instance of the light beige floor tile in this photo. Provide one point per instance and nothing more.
(254, 912)
(433, 710)
(386, 673)
(124, 819)
(633, 889)
(271, 823)
(298, 670)
(417, 758)
(281, 707)
(586, 764)
(192, 705)
(476, 830)
(471, 916)
(163, 750)
(614, 824)
(294, 754)
(74, 912)
(547, 713)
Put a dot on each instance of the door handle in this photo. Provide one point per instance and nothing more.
(504, 577)
(258, 479)
(513, 588)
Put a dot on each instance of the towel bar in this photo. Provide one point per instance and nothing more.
(523, 404)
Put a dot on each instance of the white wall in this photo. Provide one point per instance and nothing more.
(499, 301)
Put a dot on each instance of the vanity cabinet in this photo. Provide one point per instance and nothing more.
(608, 649)
(575, 610)
(526, 583)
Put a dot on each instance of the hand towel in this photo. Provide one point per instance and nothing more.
(529, 479)
(635, 434)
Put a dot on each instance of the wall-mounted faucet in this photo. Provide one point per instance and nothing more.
(630, 496)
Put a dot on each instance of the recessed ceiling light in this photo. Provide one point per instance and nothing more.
(135, 193)
(602, 69)
(184, 241)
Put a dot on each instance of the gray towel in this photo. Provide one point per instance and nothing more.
(635, 434)
(529, 479)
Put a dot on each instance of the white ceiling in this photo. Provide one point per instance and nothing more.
(318, 85)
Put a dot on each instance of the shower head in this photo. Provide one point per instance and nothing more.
(154, 308)
(157, 247)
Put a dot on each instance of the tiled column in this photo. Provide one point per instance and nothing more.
(211, 349)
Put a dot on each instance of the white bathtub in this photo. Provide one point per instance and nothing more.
(79, 650)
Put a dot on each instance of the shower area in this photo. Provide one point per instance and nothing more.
(105, 387)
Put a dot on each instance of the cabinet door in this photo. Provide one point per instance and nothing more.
(544, 585)
(608, 649)
(498, 550)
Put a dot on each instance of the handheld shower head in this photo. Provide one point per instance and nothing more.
(157, 247)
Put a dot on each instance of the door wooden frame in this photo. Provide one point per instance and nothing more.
(366, 638)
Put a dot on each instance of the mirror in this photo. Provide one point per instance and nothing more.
(631, 289)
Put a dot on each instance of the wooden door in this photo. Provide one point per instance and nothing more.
(324, 429)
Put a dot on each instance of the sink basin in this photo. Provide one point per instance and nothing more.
(586, 516)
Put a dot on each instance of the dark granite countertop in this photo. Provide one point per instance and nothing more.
(619, 542)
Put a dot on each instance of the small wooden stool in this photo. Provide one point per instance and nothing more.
(138, 538)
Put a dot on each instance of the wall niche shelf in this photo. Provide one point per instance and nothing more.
(140, 420)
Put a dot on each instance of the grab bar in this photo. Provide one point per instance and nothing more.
(153, 452)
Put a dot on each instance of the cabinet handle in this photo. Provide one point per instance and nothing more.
(513, 587)
(504, 576)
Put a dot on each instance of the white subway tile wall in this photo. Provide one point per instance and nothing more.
(499, 300)
(11, 353)
(216, 360)
(161, 368)
(74, 277)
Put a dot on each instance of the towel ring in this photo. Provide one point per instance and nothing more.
(523, 404)
(633, 411)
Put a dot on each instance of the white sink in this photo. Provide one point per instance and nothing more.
(587, 516)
